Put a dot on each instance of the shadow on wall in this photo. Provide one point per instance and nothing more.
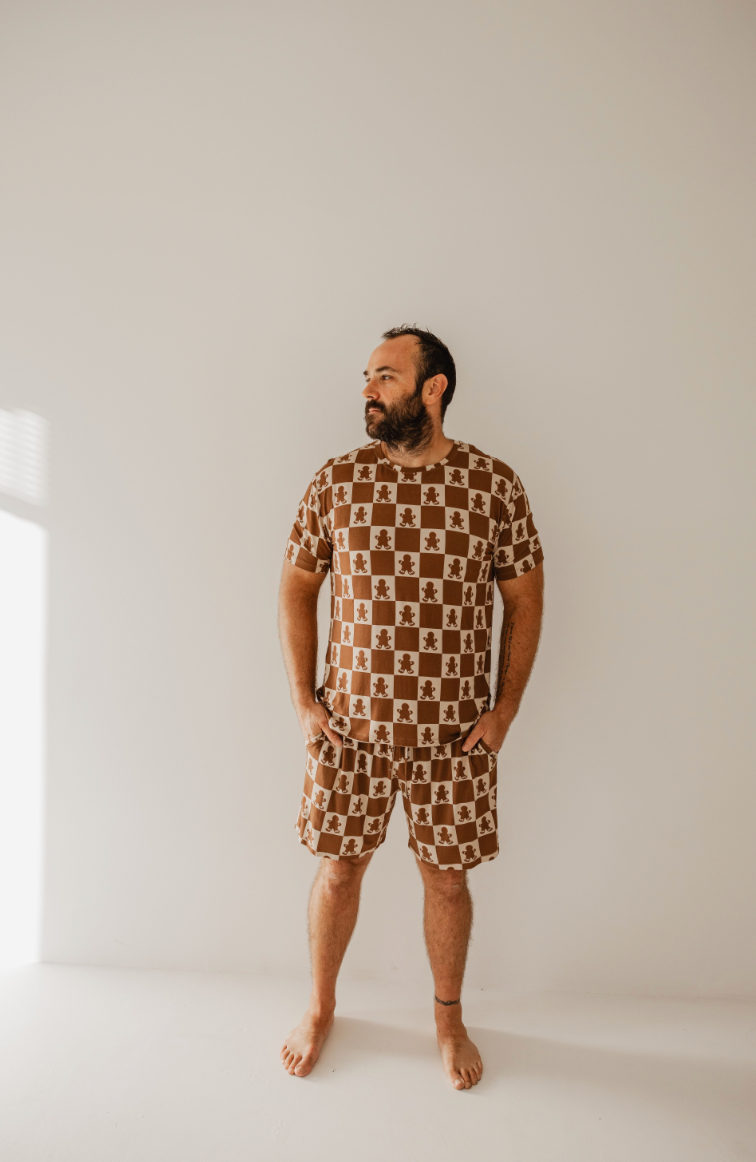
(23, 617)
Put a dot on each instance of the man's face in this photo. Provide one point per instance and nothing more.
(394, 411)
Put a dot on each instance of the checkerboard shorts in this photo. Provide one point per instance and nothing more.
(449, 800)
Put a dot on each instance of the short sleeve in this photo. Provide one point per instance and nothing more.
(309, 546)
(518, 547)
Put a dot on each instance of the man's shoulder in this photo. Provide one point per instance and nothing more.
(340, 469)
(482, 462)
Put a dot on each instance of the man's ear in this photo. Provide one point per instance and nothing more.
(435, 388)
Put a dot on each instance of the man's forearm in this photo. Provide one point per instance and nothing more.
(298, 629)
(517, 650)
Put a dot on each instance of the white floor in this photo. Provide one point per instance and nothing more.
(104, 1065)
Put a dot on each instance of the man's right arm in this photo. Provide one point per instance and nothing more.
(298, 630)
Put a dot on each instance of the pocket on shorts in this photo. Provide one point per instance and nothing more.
(483, 746)
(315, 738)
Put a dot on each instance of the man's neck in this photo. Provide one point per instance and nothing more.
(439, 447)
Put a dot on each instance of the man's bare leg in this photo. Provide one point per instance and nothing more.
(334, 903)
(447, 923)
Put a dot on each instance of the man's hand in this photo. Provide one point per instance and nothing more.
(492, 727)
(313, 719)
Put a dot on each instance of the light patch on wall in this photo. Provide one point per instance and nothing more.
(23, 604)
(23, 456)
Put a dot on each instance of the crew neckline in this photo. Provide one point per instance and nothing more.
(420, 467)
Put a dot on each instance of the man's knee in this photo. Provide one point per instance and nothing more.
(448, 883)
(342, 875)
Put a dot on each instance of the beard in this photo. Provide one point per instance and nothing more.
(404, 426)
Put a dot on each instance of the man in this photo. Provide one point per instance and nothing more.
(414, 528)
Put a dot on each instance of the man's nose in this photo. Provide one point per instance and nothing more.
(369, 391)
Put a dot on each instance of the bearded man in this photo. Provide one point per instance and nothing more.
(409, 481)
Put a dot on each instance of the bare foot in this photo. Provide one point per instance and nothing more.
(459, 1055)
(301, 1048)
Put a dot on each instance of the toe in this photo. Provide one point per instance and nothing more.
(457, 1081)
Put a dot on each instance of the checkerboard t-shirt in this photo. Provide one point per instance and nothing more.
(413, 553)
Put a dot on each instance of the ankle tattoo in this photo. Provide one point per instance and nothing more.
(440, 1002)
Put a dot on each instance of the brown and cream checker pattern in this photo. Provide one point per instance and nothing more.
(449, 800)
(414, 554)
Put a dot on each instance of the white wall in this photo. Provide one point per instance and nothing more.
(212, 211)
(23, 576)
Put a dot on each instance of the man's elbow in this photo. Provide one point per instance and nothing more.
(298, 587)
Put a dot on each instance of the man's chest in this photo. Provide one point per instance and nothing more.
(409, 536)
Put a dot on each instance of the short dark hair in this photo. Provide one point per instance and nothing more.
(434, 358)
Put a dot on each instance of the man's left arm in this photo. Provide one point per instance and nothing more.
(523, 612)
